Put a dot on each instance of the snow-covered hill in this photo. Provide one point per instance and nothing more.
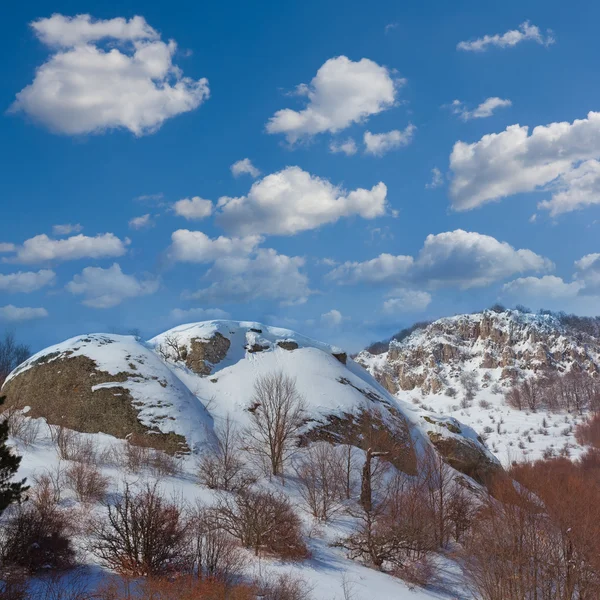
(172, 391)
(495, 348)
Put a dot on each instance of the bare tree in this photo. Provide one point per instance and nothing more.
(222, 468)
(322, 476)
(216, 555)
(12, 355)
(171, 349)
(277, 414)
(142, 534)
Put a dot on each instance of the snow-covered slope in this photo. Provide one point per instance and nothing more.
(498, 348)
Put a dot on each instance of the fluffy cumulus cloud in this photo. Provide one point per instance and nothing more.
(406, 301)
(265, 274)
(452, 259)
(26, 282)
(385, 269)
(25, 313)
(142, 222)
(66, 229)
(437, 179)
(244, 167)
(543, 288)
(587, 273)
(197, 247)
(380, 143)
(484, 110)
(332, 318)
(106, 74)
(292, 200)
(180, 315)
(525, 32)
(105, 288)
(469, 259)
(342, 92)
(6, 247)
(515, 161)
(193, 209)
(41, 248)
(576, 189)
(347, 147)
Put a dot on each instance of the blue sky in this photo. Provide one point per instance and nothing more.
(391, 167)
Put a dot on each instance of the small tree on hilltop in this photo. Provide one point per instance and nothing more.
(10, 491)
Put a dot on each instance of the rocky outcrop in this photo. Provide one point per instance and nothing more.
(71, 391)
(508, 345)
(203, 354)
(461, 448)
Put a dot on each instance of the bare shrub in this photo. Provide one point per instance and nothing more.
(283, 587)
(216, 555)
(87, 482)
(322, 476)
(141, 534)
(223, 468)
(470, 385)
(162, 464)
(185, 588)
(73, 585)
(20, 426)
(49, 483)
(263, 521)
(37, 535)
(277, 414)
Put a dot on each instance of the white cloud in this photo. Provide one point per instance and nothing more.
(390, 26)
(469, 259)
(484, 110)
(347, 147)
(197, 247)
(193, 209)
(541, 288)
(66, 229)
(455, 258)
(576, 189)
(437, 179)
(244, 167)
(292, 200)
(6, 247)
(406, 301)
(197, 314)
(265, 275)
(131, 83)
(385, 269)
(105, 288)
(342, 92)
(332, 319)
(588, 273)
(41, 248)
(514, 161)
(143, 222)
(26, 313)
(59, 30)
(380, 143)
(26, 282)
(511, 38)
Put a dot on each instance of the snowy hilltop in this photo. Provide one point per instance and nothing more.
(466, 366)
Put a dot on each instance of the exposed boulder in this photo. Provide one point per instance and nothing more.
(462, 448)
(203, 354)
(112, 385)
